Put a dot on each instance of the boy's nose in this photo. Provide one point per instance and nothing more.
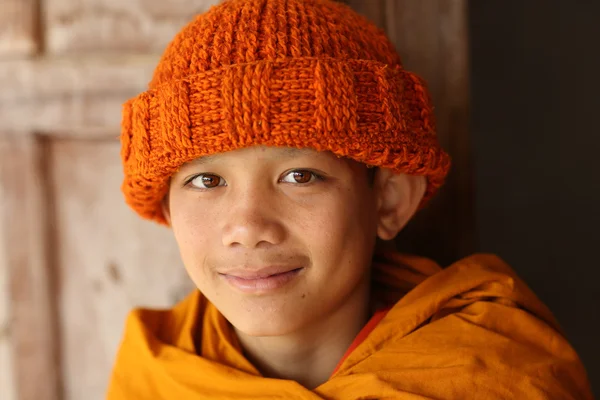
(252, 222)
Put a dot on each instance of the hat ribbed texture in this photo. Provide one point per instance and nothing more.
(295, 73)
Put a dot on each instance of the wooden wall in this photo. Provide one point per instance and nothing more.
(73, 258)
(432, 39)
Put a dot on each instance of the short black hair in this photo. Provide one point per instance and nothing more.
(371, 171)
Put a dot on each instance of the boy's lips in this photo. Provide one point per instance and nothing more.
(261, 280)
(259, 273)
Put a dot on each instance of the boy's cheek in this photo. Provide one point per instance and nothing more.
(193, 236)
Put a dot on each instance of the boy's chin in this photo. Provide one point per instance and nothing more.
(262, 326)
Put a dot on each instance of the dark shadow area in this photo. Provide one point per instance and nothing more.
(536, 140)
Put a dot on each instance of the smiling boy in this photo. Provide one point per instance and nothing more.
(280, 140)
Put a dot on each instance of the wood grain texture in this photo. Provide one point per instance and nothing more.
(431, 37)
(25, 263)
(7, 355)
(78, 26)
(18, 27)
(454, 123)
(75, 96)
(373, 10)
(109, 261)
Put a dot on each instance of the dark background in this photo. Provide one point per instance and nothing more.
(535, 111)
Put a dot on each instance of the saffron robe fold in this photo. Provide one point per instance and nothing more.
(472, 330)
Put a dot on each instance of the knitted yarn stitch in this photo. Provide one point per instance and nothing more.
(295, 73)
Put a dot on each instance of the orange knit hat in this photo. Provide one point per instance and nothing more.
(295, 73)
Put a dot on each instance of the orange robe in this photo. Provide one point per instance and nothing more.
(472, 330)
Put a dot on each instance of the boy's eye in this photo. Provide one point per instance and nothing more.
(207, 181)
(299, 176)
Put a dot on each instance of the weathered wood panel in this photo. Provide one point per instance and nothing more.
(454, 123)
(109, 262)
(18, 27)
(374, 10)
(7, 382)
(78, 26)
(432, 39)
(76, 96)
(25, 262)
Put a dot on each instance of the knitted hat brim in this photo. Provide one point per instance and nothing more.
(365, 110)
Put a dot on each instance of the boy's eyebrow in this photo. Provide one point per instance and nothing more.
(285, 152)
(202, 160)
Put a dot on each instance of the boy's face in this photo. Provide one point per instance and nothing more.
(276, 238)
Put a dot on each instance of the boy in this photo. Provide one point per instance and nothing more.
(280, 139)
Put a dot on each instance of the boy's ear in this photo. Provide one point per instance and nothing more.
(398, 197)
(164, 204)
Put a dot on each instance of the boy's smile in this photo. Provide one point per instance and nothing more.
(263, 279)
